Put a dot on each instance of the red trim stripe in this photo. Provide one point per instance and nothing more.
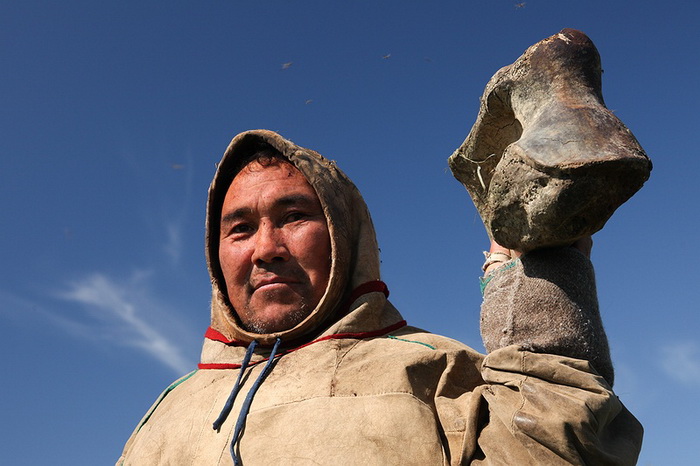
(221, 366)
(369, 287)
(215, 335)
(335, 336)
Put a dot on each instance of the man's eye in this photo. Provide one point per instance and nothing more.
(294, 217)
(241, 228)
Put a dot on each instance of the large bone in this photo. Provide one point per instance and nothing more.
(546, 162)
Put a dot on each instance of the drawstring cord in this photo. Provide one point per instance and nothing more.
(240, 423)
(249, 400)
(232, 397)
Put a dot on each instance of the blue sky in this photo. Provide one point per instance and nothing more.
(114, 114)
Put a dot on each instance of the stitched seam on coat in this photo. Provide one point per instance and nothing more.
(342, 357)
(335, 345)
(300, 400)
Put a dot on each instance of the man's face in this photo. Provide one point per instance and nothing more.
(274, 249)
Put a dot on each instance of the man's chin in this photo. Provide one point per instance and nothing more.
(276, 318)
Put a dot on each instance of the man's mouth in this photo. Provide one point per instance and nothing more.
(269, 283)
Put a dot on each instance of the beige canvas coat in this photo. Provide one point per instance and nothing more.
(355, 385)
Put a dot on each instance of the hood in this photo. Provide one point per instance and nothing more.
(354, 250)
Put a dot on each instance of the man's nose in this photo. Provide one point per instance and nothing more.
(270, 245)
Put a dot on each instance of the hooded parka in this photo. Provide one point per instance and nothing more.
(353, 384)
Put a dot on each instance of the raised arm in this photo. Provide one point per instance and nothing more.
(546, 164)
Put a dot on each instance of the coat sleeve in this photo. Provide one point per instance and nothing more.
(549, 409)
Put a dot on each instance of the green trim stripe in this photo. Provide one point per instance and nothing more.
(483, 281)
(170, 388)
(411, 341)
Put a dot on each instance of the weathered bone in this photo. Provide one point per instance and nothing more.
(546, 162)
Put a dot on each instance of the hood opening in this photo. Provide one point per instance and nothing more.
(354, 251)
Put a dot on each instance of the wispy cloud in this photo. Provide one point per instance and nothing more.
(128, 310)
(117, 312)
(681, 361)
(173, 243)
(175, 218)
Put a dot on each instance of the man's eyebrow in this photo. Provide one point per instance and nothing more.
(235, 215)
(294, 199)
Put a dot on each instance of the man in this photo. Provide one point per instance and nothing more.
(336, 375)
(307, 362)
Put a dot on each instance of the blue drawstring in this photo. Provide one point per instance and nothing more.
(249, 400)
(240, 423)
(232, 397)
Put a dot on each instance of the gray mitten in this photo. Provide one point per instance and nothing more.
(546, 302)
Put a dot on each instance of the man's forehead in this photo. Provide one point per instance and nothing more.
(269, 170)
(278, 178)
(258, 164)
